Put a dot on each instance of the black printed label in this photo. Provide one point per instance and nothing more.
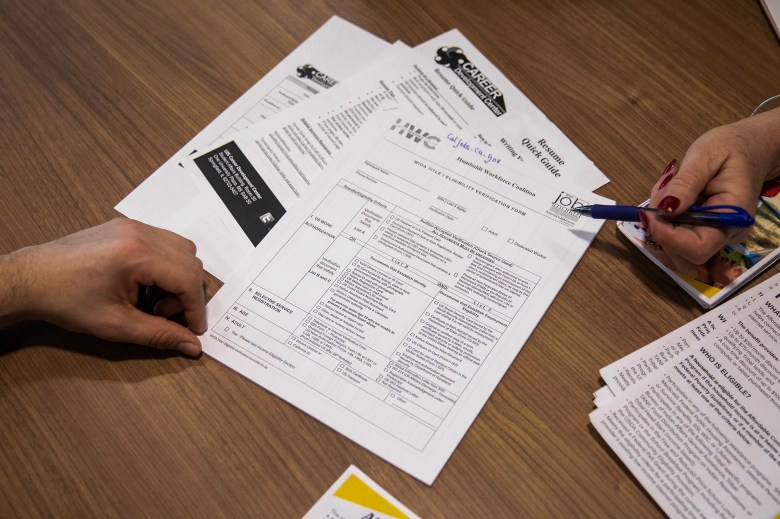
(242, 190)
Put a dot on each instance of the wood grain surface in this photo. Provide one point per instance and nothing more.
(95, 95)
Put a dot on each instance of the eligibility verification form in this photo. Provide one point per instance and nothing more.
(390, 303)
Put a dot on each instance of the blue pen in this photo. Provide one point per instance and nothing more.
(695, 215)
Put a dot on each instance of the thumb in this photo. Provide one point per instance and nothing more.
(157, 332)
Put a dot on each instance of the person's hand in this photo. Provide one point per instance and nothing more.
(90, 282)
(725, 166)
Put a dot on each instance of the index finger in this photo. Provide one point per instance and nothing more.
(685, 184)
(181, 274)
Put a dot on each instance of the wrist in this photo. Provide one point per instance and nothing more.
(767, 133)
(17, 279)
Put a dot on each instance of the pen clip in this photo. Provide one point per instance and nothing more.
(733, 216)
(710, 208)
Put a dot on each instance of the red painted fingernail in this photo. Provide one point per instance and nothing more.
(672, 165)
(643, 219)
(669, 204)
(670, 171)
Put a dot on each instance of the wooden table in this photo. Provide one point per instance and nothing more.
(96, 95)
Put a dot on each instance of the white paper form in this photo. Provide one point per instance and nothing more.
(701, 432)
(253, 179)
(624, 373)
(169, 199)
(391, 301)
(475, 87)
(263, 170)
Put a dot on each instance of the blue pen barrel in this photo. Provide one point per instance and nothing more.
(611, 212)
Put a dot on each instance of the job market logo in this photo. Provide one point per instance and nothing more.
(454, 59)
(311, 73)
(562, 208)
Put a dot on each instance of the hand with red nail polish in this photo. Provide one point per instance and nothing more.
(725, 166)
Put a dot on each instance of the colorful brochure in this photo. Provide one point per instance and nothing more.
(734, 265)
(355, 496)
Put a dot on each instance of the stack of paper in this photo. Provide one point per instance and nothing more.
(328, 61)
(695, 414)
(170, 198)
(390, 242)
